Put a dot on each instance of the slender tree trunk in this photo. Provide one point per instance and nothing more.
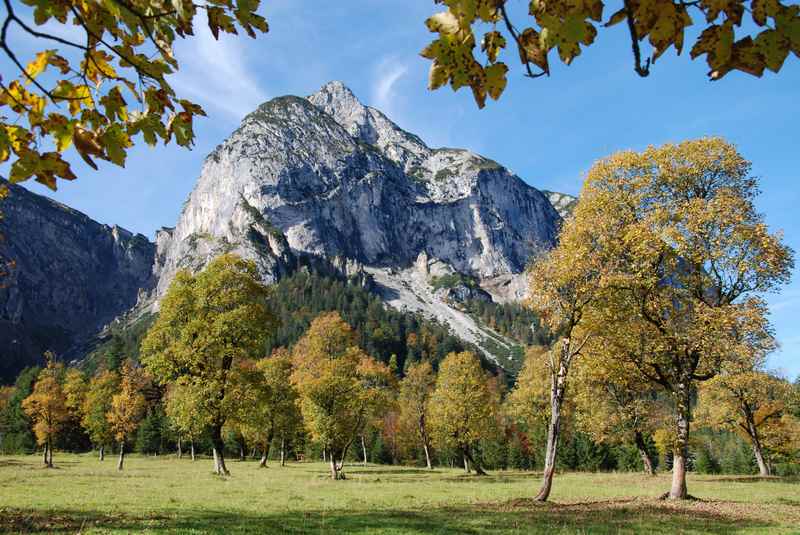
(180, 449)
(283, 451)
(102, 452)
(219, 452)
(466, 462)
(121, 455)
(647, 462)
(191, 448)
(758, 452)
(557, 388)
(681, 449)
(364, 450)
(49, 453)
(324, 454)
(45, 448)
(427, 456)
(242, 454)
(265, 455)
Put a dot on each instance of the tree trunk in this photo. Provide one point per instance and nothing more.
(427, 456)
(102, 452)
(219, 452)
(758, 452)
(424, 435)
(364, 450)
(242, 454)
(283, 451)
(557, 387)
(45, 448)
(476, 466)
(265, 455)
(466, 462)
(647, 462)
(334, 470)
(324, 455)
(121, 455)
(681, 449)
(180, 449)
(191, 448)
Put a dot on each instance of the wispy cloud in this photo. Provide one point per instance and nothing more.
(389, 71)
(216, 74)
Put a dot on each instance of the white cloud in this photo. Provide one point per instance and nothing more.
(389, 71)
(216, 75)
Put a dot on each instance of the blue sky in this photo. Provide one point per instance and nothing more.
(548, 130)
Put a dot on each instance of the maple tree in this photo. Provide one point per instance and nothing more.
(338, 385)
(415, 392)
(46, 406)
(96, 405)
(460, 410)
(739, 35)
(181, 408)
(615, 404)
(100, 92)
(686, 256)
(267, 407)
(562, 285)
(752, 403)
(208, 323)
(128, 407)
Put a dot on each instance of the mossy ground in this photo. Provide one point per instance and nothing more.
(166, 495)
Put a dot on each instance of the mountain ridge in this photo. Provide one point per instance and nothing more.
(326, 183)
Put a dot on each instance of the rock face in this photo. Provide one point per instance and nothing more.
(70, 277)
(338, 179)
(562, 202)
(327, 177)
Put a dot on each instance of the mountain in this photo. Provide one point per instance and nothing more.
(328, 178)
(70, 276)
(322, 184)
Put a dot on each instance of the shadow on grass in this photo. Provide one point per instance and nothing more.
(519, 516)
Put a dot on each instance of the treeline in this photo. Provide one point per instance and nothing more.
(655, 355)
(383, 332)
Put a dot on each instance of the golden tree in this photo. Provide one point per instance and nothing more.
(685, 256)
(47, 407)
(415, 392)
(96, 405)
(338, 384)
(753, 404)
(181, 408)
(614, 404)
(99, 91)
(267, 407)
(562, 285)
(127, 406)
(460, 410)
(730, 40)
(207, 324)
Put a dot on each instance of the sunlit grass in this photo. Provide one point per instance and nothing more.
(163, 494)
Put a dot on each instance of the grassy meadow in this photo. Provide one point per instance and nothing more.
(166, 495)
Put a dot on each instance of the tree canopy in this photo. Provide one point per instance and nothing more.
(208, 324)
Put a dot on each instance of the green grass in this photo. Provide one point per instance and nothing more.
(165, 495)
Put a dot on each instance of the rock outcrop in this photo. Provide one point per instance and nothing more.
(69, 277)
(327, 177)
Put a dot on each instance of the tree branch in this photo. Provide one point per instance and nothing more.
(515, 35)
(637, 55)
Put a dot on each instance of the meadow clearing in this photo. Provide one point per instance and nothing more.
(167, 495)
